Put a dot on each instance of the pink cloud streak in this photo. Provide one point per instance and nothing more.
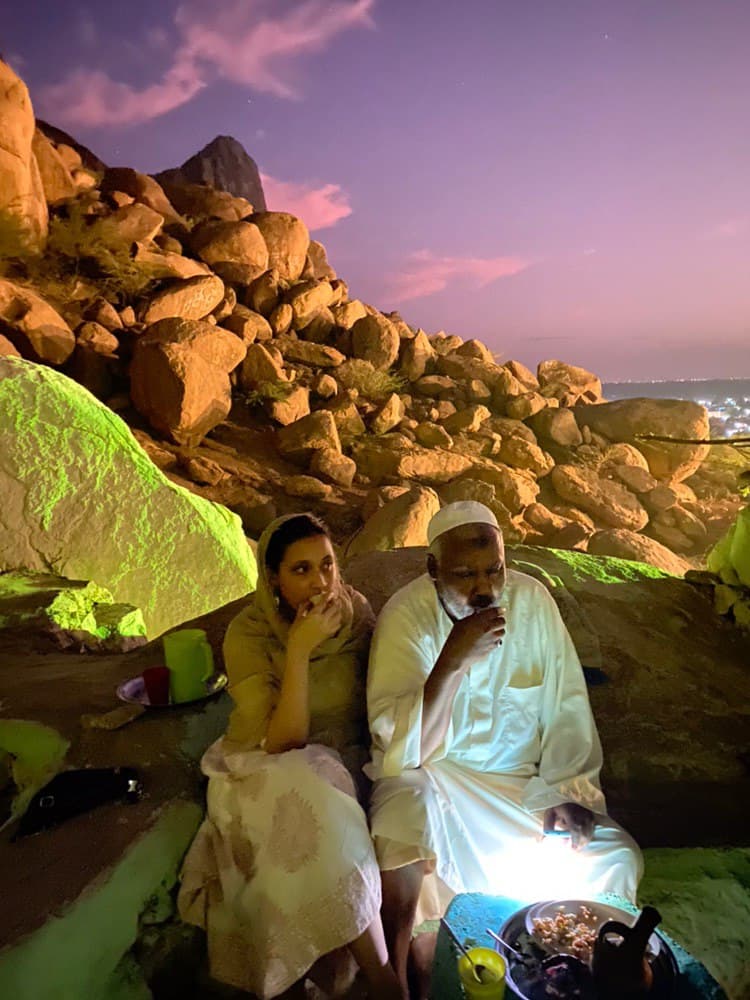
(90, 97)
(237, 41)
(424, 273)
(318, 207)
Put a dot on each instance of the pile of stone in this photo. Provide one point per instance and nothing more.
(244, 305)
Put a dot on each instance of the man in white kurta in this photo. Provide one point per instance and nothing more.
(463, 804)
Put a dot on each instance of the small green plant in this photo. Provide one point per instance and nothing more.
(16, 243)
(369, 381)
(266, 392)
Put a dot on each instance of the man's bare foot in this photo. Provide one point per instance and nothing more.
(421, 957)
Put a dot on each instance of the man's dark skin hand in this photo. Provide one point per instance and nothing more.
(470, 640)
(578, 820)
(473, 638)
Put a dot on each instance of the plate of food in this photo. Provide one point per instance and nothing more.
(134, 691)
(570, 926)
(535, 972)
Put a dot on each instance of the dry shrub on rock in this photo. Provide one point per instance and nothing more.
(79, 248)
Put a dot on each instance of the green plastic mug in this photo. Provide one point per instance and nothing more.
(190, 660)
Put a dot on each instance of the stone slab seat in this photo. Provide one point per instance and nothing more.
(73, 896)
(673, 714)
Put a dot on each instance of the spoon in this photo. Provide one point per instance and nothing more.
(513, 951)
(477, 967)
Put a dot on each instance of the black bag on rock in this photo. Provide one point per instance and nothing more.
(74, 792)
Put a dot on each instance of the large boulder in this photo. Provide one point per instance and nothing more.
(400, 523)
(332, 465)
(523, 406)
(459, 367)
(468, 420)
(81, 499)
(514, 488)
(305, 353)
(142, 188)
(626, 419)
(416, 354)
(74, 153)
(192, 298)
(319, 261)
(21, 191)
(608, 502)
(201, 202)
(225, 243)
(314, 432)
(375, 339)
(385, 458)
(556, 426)
(136, 223)
(260, 366)
(287, 239)
(36, 330)
(346, 314)
(521, 454)
(390, 415)
(307, 300)
(567, 382)
(179, 377)
(630, 545)
(57, 182)
(248, 325)
(433, 466)
(167, 264)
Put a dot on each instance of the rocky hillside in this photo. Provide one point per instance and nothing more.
(223, 336)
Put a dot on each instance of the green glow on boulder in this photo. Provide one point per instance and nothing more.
(40, 599)
(608, 569)
(83, 500)
(37, 751)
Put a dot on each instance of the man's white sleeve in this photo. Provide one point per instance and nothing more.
(401, 658)
(571, 755)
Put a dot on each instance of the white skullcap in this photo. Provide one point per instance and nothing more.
(453, 515)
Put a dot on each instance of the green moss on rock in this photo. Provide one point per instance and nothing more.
(560, 564)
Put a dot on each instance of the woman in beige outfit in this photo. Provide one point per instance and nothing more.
(282, 871)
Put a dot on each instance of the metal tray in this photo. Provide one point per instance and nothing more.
(134, 692)
(519, 973)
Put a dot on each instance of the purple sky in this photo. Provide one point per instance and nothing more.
(561, 178)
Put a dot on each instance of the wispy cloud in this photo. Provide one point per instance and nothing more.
(424, 273)
(249, 48)
(249, 42)
(90, 97)
(729, 228)
(318, 207)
